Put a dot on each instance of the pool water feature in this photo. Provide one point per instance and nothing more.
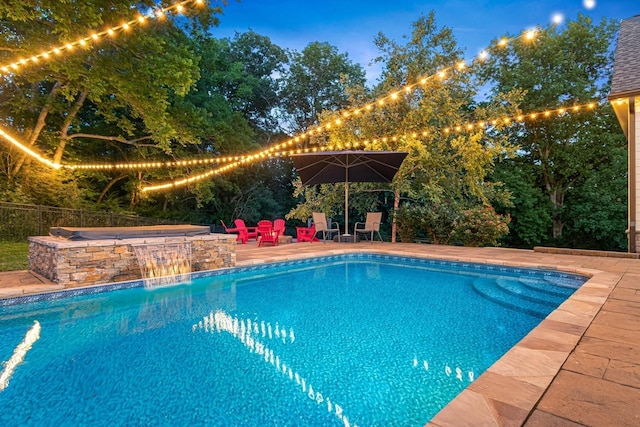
(164, 264)
(345, 340)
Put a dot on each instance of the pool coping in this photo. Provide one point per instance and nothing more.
(512, 390)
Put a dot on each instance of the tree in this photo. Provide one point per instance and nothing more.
(317, 80)
(562, 68)
(237, 92)
(117, 95)
(529, 207)
(444, 165)
(240, 76)
(596, 207)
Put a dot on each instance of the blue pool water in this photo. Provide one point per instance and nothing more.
(348, 340)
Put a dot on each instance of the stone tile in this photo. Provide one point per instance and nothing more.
(508, 415)
(543, 419)
(562, 327)
(629, 352)
(586, 364)
(9, 292)
(542, 338)
(467, 410)
(622, 306)
(582, 307)
(599, 284)
(612, 333)
(581, 399)
(575, 318)
(592, 297)
(537, 367)
(507, 390)
(631, 281)
(626, 373)
(618, 320)
(625, 294)
(36, 289)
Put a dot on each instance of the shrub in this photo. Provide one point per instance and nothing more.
(433, 221)
(481, 226)
(408, 223)
(438, 222)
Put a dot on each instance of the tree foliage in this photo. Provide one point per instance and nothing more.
(564, 67)
(316, 81)
(441, 167)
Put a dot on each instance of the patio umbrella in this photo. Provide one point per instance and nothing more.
(330, 167)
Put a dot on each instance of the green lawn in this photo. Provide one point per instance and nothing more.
(13, 256)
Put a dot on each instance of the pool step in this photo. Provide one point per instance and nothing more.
(489, 290)
(533, 294)
(563, 289)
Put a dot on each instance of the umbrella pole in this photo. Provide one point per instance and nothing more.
(346, 202)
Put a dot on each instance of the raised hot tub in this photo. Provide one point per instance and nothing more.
(81, 256)
(119, 233)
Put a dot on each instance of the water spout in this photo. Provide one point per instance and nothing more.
(164, 264)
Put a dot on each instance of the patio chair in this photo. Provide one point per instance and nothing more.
(242, 235)
(320, 222)
(251, 232)
(371, 225)
(267, 233)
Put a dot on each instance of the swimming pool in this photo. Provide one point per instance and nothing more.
(344, 340)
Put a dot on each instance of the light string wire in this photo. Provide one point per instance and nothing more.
(480, 125)
(279, 152)
(443, 73)
(280, 149)
(95, 37)
(12, 69)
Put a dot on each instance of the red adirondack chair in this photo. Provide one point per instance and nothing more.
(279, 225)
(242, 235)
(307, 234)
(266, 233)
(251, 232)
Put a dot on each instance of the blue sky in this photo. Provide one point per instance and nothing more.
(351, 25)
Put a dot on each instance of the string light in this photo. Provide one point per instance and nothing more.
(279, 150)
(29, 151)
(95, 37)
(394, 95)
(557, 18)
(442, 74)
(244, 160)
(530, 34)
(241, 160)
(153, 164)
(459, 128)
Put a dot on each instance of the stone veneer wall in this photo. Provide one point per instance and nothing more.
(92, 262)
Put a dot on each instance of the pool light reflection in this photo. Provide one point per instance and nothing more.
(248, 333)
(19, 354)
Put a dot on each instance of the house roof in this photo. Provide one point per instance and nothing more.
(626, 68)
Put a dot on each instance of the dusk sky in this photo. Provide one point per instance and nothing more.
(351, 25)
